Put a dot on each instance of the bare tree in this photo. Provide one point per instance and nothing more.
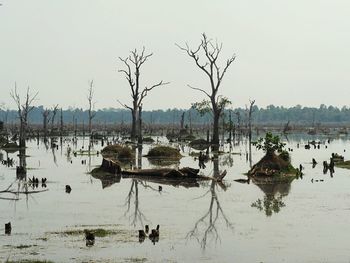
(46, 119)
(91, 112)
(23, 110)
(133, 64)
(61, 123)
(54, 113)
(250, 114)
(238, 114)
(210, 50)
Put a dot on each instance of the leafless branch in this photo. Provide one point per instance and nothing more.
(206, 93)
(124, 105)
(146, 90)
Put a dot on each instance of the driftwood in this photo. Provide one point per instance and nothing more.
(167, 172)
(186, 176)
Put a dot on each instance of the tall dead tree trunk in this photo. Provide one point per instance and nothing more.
(182, 122)
(190, 119)
(210, 51)
(238, 114)
(23, 111)
(132, 71)
(91, 112)
(250, 113)
(54, 113)
(140, 125)
(46, 116)
(61, 123)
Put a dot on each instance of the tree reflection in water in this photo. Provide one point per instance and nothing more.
(269, 205)
(21, 184)
(274, 193)
(206, 227)
(133, 198)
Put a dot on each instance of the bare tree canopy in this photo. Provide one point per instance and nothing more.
(92, 103)
(24, 108)
(209, 51)
(132, 71)
(54, 113)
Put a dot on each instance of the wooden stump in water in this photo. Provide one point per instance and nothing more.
(110, 166)
(68, 189)
(89, 237)
(8, 228)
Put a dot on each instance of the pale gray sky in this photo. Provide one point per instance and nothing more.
(288, 52)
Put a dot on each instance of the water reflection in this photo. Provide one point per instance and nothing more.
(206, 227)
(135, 214)
(274, 193)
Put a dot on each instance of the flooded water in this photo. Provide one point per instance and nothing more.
(303, 221)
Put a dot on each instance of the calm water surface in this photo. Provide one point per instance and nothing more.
(297, 222)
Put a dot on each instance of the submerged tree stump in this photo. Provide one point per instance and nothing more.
(8, 228)
(110, 166)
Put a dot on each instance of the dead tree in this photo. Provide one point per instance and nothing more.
(54, 113)
(139, 134)
(230, 127)
(132, 71)
(250, 113)
(238, 114)
(182, 121)
(91, 112)
(190, 120)
(286, 127)
(211, 50)
(46, 118)
(23, 110)
(61, 123)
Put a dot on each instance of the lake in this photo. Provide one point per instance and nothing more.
(304, 221)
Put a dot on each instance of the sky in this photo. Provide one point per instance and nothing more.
(288, 52)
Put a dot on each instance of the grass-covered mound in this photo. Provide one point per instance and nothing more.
(148, 140)
(164, 152)
(343, 164)
(118, 151)
(10, 146)
(272, 164)
(163, 162)
(199, 144)
(99, 232)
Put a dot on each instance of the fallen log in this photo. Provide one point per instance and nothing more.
(186, 176)
(164, 172)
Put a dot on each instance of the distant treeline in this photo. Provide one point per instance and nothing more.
(269, 115)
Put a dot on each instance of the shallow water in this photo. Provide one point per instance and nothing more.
(309, 222)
